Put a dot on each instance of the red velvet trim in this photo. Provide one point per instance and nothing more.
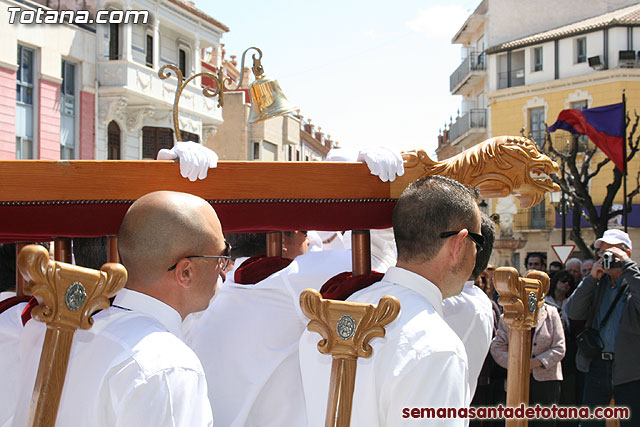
(45, 222)
(26, 313)
(258, 268)
(6, 304)
(343, 285)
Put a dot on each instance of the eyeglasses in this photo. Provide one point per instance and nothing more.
(226, 257)
(478, 239)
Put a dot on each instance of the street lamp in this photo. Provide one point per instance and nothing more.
(267, 99)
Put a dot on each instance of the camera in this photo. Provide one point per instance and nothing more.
(609, 261)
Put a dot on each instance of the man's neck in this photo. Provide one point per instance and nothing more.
(425, 270)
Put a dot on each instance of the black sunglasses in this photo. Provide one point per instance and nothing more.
(226, 257)
(478, 239)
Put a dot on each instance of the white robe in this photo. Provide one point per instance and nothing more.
(420, 363)
(10, 331)
(130, 369)
(247, 341)
(470, 315)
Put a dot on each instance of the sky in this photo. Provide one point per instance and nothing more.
(369, 73)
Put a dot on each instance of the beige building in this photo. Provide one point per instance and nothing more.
(518, 73)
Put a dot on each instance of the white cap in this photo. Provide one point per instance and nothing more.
(614, 237)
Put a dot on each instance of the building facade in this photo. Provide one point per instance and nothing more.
(283, 138)
(91, 91)
(518, 74)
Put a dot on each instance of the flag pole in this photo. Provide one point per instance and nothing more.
(624, 155)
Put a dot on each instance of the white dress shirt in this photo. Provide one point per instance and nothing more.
(6, 294)
(470, 315)
(419, 363)
(248, 338)
(10, 331)
(130, 369)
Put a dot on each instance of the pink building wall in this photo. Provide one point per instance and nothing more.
(7, 114)
(49, 120)
(86, 145)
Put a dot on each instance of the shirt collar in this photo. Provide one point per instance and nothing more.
(145, 304)
(6, 294)
(415, 282)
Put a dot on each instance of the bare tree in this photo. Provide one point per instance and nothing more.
(574, 181)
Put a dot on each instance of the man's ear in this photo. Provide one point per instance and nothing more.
(456, 245)
(183, 272)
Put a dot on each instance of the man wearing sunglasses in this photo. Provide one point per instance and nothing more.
(132, 367)
(421, 362)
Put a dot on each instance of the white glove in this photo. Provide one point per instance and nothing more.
(195, 159)
(383, 162)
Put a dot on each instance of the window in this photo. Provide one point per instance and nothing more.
(154, 139)
(68, 111)
(113, 141)
(149, 51)
(290, 153)
(538, 221)
(306, 158)
(256, 151)
(537, 58)
(536, 125)
(297, 155)
(581, 50)
(182, 61)
(114, 42)
(24, 104)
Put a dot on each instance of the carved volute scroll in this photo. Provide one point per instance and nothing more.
(346, 329)
(497, 167)
(68, 295)
(521, 298)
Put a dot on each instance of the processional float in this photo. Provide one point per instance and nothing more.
(43, 200)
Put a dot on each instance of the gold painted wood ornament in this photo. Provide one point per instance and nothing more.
(521, 298)
(346, 329)
(68, 296)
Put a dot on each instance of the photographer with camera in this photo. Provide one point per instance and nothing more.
(608, 300)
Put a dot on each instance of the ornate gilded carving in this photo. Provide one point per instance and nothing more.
(521, 297)
(496, 167)
(58, 286)
(369, 322)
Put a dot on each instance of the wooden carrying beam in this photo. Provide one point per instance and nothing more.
(521, 298)
(69, 296)
(41, 199)
(346, 329)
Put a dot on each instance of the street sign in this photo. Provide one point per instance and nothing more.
(563, 252)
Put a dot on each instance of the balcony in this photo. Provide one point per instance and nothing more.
(511, 78)
(139, 85)
(471, 71)
(472, 124)
(538, 218)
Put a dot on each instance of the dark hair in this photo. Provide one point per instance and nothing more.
(564, 276)
(556, 264)
(247, 244)
(8, 265)
(90, 252)
(426, 208)
(542, 256)
(482, 257)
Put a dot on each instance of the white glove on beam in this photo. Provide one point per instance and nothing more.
(195, 159)
(382, 162)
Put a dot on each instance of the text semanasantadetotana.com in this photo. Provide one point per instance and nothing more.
(519, 412)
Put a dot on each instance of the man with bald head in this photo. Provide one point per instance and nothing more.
(132, 367)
